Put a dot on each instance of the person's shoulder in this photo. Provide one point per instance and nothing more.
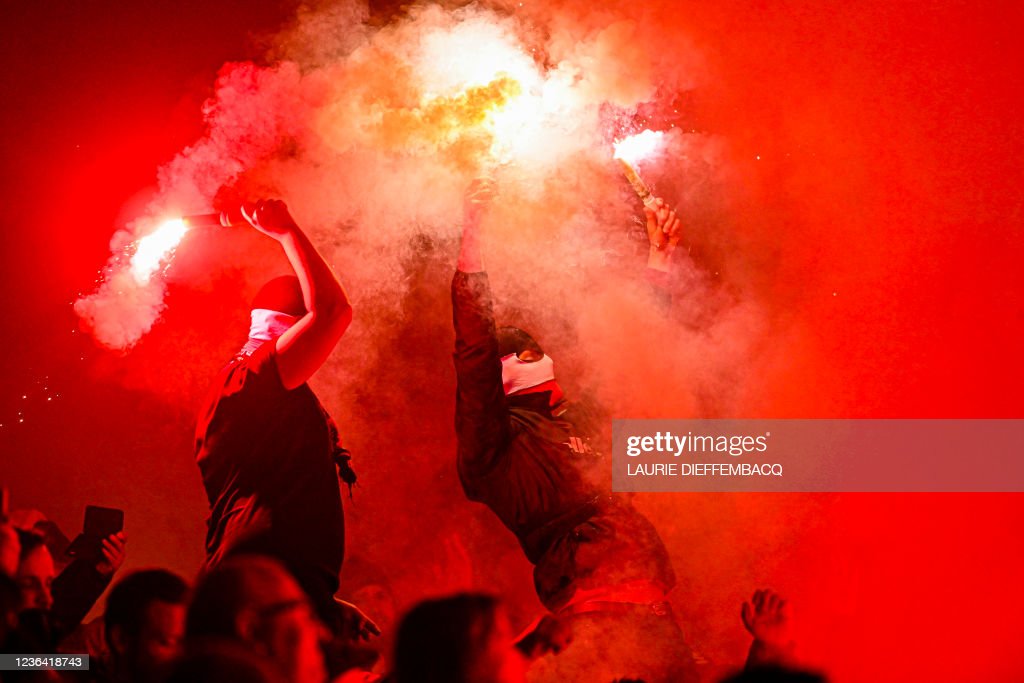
(260, 359)
(248, 371)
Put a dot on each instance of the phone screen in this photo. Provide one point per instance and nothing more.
(102, 522)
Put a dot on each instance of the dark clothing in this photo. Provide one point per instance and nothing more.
(537, 472)
(75, 591)
(266, 455)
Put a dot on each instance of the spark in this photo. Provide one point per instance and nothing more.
(155, 248)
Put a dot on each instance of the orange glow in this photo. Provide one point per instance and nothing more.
(474, 78)
(155, 248)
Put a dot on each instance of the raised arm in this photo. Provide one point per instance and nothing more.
(767, 617)
(481, 414)
(77, 588)
(663, 232)
(304, 347)
(478, 197)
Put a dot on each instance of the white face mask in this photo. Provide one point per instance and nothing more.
(517, 375)
(268, 324)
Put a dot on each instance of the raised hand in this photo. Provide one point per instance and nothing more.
(767, 617)
(478, 196)
(549, 635)
(664, 230)
(271, 217)
(113, 552)
(355, 622)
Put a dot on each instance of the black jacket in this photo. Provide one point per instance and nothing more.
(537, 472)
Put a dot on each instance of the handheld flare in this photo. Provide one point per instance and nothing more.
(224, 219)
(638, 184)
(630, 150)
(156, 249)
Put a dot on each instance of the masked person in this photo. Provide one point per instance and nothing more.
(267, 451)
(598, 563)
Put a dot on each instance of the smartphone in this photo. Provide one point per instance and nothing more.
(100, 522)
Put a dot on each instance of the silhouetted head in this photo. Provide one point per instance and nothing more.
(282, 294)
(36, 572)
(517, 341)
(254, 601)
(275, 308)
(465, 638)
(144, 622)
(524, 365)
(34, 521)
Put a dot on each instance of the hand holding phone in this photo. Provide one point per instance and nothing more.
(100, 525)
(112, 553)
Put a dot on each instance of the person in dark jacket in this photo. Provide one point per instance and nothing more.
(598, 563)
(267, 451)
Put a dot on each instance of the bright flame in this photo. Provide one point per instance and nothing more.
(472, 53)
(481, 64)
(156, 247)
(636, 147)
(510, 125)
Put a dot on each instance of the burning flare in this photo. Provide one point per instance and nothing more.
(155, 248)
(437, 96)
(636, 147)
(632, 149)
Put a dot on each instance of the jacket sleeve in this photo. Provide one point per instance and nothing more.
(75, 591)
(482, 423)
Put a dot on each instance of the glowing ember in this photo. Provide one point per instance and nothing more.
(636, 147)
(156, 247)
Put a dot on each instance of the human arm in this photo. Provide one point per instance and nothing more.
(663, 233)
(304, 347)
(768, 619)
(81, 584)
(547, 634)
(474, 204)
(354, 623)
(481, 414)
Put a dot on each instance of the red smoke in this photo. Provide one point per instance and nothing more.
(852, 197)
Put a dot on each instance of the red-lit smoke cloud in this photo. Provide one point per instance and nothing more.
(810, 157)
